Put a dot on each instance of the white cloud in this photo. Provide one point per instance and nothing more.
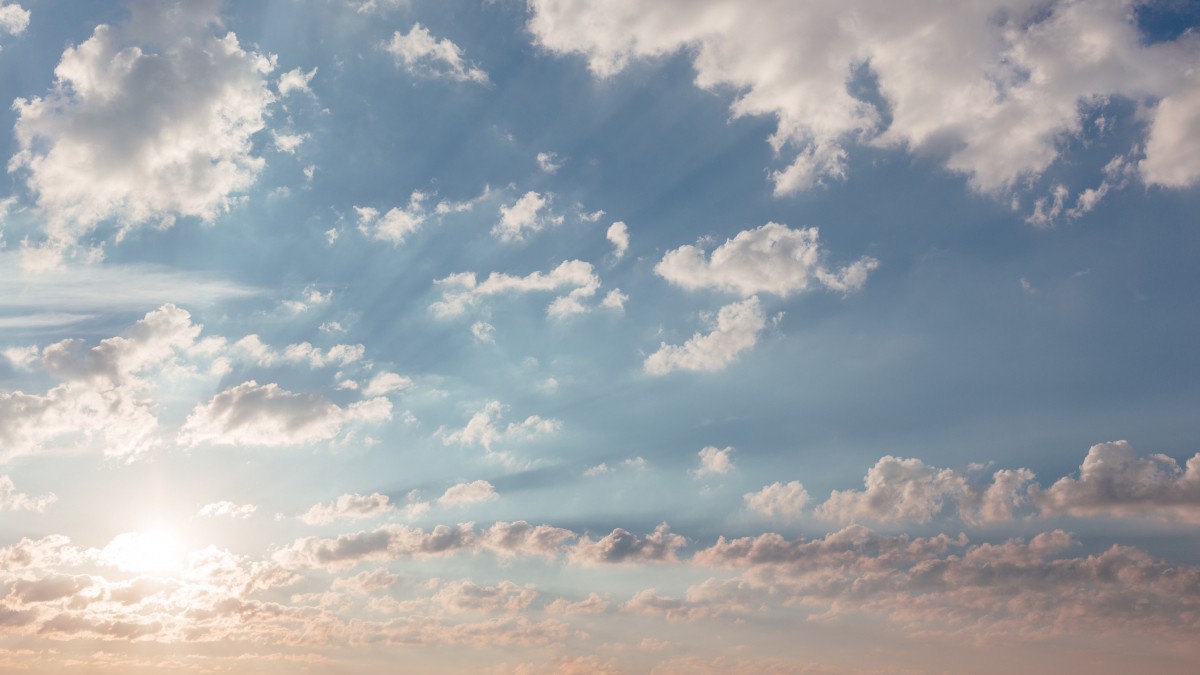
(295, 80)
(618, 234)
(288, 142)
(14, 18)
(11, 500)
(484, 332)
(736, 330)
(530, 213)
(424, 55)
(1173, 146)
(227, 509)
(147, 121)
(614, 300)
(484, 428)
(386, 383)
(340, 354)
(462, 290)
(1114, 481)
(768, 259)
(397, 224)
(266, 415)
(714, 461)
(348, 507)
(548, 162)
(995, 112)
(785, 500)
(468, 493)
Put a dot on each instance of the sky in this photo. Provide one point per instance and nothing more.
(687, 336)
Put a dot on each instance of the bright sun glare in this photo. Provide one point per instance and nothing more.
(144, 552)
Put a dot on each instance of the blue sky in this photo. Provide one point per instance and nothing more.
(599, 337)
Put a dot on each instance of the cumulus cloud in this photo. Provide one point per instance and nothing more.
(11, 500)
(227, 509)
(267, 415)
(768, 259)
(485, 428)
(468, 493)
(520, 539)
(736, 330)
(528, 214)
(1173, 144)
(101, 399)
(623, 547)
(463, 290)
(424, 55)
(942, 583)
(348, 507)
(147, 121)
(996, 112)
(614, 300)
(14, 18)
(398, 223)
(714, 461)
(295, 80)
(785, 500)
(618, 234)
(386, 383)
(340, 354)
(1114, 481)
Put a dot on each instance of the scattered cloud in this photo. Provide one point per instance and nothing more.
(768, 259)
(144, 126)
(529, 214)
(11, 500)
(295, 80)
(227, 509)
(348, 507)
(424, 55)
(618, 234)
(549, 162)
(468, 493)
(783, 500)
(714, 461)
(463, 290)
(736, 330)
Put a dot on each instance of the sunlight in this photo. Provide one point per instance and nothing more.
(143, 552)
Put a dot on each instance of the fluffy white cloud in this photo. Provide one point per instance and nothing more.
(266, 415)
(386, 383)
(736, 330)
(1173, 146)
(768, 259)
(227, 509)
(397, 224)
(424, 55)
(1114, 481)
(352, 506)
(295, 80)
(11, 500)
(468, 493)
(785, 500)
(340, 354)
(614, 300)
(530, 213)
(462, 291)
(147, 121)
(14, 18)
(896, 489)
(1020, 72)
(101, 400)
(714, 461)
(618, 234)
(485, 429)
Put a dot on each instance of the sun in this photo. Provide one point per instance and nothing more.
(153, 551)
